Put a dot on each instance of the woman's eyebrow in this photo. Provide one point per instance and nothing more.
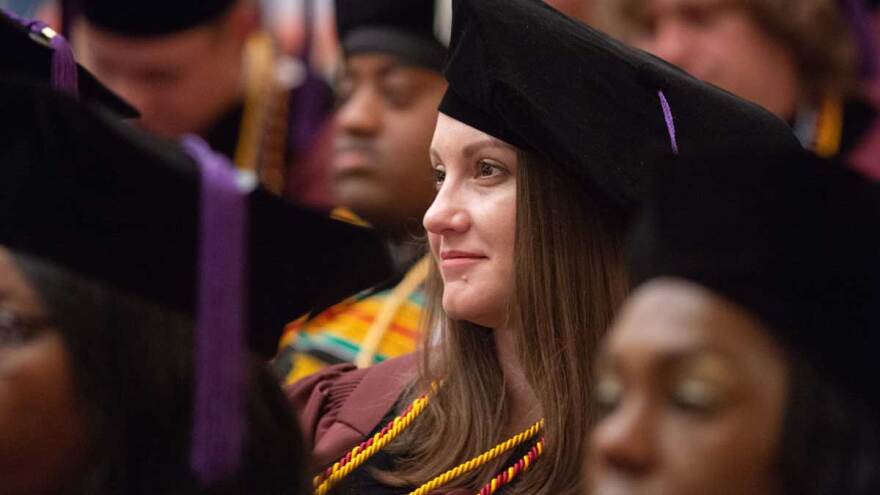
(435, 157)
(471, 149)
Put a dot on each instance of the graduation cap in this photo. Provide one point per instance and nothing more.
(535, 78)
(174, 227)
(31, 49)
(148, 17)
(417, 31)
(790, 238)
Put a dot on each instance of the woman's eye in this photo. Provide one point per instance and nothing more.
(696, 396)
(609, 392)
(16, 332)
(10, 337)
(439, 176)
(13, 334)
(487, 169)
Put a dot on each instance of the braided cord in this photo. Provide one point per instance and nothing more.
(480, 460)
(357, 456)
(505, 477)
(830, 128)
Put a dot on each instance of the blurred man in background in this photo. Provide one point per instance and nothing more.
(207, 67)
(800, 59)
(388, 90)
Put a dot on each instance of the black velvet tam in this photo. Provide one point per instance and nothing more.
(529, 75)
(150, 17)
(792, 239)
(112, 205)
(417, 31)
(29, 56)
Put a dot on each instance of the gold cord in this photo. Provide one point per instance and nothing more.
(410, 283)
(480, 460)
(259, 79)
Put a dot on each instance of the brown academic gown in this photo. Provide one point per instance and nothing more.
(341, 405)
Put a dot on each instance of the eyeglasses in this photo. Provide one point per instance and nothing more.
(16, 331)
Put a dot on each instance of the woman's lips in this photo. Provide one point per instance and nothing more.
(452, 259)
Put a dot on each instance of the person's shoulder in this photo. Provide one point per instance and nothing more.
(340, 405)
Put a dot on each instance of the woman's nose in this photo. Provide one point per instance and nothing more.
(624, 440)
(448, 213)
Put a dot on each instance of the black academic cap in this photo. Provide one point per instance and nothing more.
(790, 238)
(415, 30)
(529, 75)
(149, 17)
(28, 54)
(113, 205)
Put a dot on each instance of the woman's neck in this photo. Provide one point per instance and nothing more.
(522, 403)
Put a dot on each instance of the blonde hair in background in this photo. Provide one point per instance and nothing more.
(815, 31)
(570, 279)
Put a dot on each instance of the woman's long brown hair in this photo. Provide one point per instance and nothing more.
(570, 279)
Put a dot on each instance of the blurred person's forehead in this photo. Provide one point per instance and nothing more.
(104, 46)
(381, 63)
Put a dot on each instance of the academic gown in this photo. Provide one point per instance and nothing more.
(342, 406)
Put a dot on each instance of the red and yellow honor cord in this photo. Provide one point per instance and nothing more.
(360, 454)
(480, 460)
(506, 477)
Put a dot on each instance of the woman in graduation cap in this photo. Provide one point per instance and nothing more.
(745, 362)
(545, 134)
(131, 275)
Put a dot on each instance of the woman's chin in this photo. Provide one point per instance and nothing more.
(472, 312)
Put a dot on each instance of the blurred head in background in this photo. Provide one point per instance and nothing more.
(780, 54)
(179, 63)
(388, 89)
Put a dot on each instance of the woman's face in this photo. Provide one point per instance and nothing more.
(471, 224)
(42, 424)
(692, 393)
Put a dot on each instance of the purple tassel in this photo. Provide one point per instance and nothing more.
(221, 319)
(310, 105)
(64, 70)
(64, 75)
(670, 122)
(860, 24)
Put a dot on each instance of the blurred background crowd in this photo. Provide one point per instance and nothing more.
(332, 117)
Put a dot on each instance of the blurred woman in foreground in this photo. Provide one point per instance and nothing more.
(743, 362)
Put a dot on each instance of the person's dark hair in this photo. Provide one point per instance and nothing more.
(831, 439)
(132, 364)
